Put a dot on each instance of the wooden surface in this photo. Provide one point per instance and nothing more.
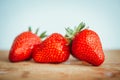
(70, 70)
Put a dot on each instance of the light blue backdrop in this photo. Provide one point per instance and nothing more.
(103, 16)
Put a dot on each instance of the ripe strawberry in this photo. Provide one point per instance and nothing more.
(86, 45)
(53, 49)
(22, 46)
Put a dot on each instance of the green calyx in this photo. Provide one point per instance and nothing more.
(29, 29)
(70, 33)
(42, 35)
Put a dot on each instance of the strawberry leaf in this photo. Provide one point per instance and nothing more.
(43, 34)
(37, 31)
(29, 29)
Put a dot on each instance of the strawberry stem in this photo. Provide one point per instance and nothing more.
(70, 33)
(80, 27)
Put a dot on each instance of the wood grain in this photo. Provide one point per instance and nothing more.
(71, 70)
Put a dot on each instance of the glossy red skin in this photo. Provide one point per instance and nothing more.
(87, 46)
(54, 49)
(22, 46)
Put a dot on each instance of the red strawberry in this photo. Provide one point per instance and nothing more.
(86, 45)
(54, 49)
(22, 46)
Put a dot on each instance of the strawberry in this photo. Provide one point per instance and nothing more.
(23, 45)
(86, 45)
(54, 49)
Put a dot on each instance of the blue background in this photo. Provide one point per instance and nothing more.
(102, 16)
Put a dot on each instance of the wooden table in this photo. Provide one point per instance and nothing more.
(70, 70)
